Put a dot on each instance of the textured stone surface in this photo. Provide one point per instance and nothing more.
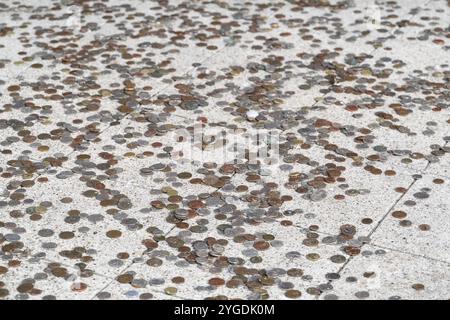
(224, 149)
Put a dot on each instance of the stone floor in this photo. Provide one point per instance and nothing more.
(134, 161)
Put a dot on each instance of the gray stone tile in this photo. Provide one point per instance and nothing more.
(419, 222)
(384, 274)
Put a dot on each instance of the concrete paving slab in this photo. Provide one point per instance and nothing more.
(215, 150)
(419, 222)
(359, 197)
(78, 225)
(33, 278)
(248, 266)
(383, 274)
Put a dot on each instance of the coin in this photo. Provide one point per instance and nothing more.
(113, 234)
(178, 280)
(399, 214)
(171, 291)
(261, 245)
(292, 294)
(216, 282)
(125, 278)
(418, 286)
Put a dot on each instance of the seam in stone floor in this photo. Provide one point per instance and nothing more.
(409, 253)
(130, 265)
(390, 209)
(306, 229)
(112, 279)
(29, 253)
(429, 165)
(350, 259)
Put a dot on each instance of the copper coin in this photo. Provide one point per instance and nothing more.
(293, 294)
(424, 227)
(125, 278)
(3, 270)
(113, 234)
(195, 204)
(66, 235)
(261, 245)
(367, 221)
(418, 286)
(399, 214)
(178, 280)
(216, 281)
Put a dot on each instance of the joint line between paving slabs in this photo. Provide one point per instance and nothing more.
(341, 269)
(391, 208)
(379, 223)
(128, 267)
(398, 200)
(112, 279)
(410, 253)
(412, 183)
